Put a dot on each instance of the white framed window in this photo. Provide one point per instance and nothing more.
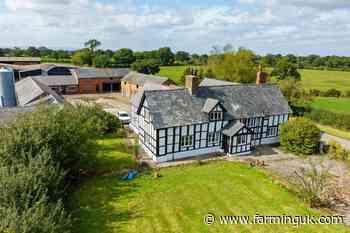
(215, 116)
(272, 132)
(214, 137)
(187, 141)
(241, 139)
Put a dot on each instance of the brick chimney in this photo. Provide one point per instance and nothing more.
(261, 76)
(192, 83)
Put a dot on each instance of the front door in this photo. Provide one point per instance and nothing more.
(225, 144)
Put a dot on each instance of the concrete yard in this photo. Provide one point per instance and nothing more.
(110, 102)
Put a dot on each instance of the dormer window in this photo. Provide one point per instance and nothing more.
(215, 116)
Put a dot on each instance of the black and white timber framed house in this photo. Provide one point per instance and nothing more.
(198, 119)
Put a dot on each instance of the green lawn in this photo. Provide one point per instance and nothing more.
(110, 154)
(341, 105)
(178, 200)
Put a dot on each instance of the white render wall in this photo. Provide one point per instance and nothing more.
(187, 154)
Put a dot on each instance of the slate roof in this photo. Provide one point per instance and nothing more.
(141, 79)
(59, 80)
(8, 114)
(86, 73)
(31, 92)
(209, 105)
(232, 128)
(244, 101)
(208, 82)
(177, 107)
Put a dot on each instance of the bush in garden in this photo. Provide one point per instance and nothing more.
(300, 136)
(311, 183)
(336, 151)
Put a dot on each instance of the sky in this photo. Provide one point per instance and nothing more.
(300, 27)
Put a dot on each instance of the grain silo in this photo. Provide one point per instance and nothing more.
(7, 88)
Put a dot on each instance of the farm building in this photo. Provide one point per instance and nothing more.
(45, 70)
(61, 84)
(134, 82)
(94, 80)
(197, 120)
(20, 60)
(31, 92)
(23, 71)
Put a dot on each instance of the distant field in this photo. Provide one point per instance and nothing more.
(173, 72)
(323, 80)
(311, 79)
(333, 104)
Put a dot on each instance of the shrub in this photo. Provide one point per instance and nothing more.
(347, 94)
(300, 136)
(336, 151)
(315, 92)
(332, 93)
(311, 182)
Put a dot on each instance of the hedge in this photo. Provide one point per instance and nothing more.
(334, 119)
(39, 151)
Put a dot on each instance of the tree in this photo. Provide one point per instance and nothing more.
(285, 69)
(82, 57)
(234, 66)
(92, 45)
(146, 66)
(300, 136)
(182, 57)
(124, 57)
(166, 56)
(101, 61)
(297, 97)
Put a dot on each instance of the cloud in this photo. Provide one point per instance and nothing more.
(267, 26)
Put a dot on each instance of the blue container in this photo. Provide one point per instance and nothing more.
(7, 89)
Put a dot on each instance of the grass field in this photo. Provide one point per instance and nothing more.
(173, 72)
(178, 200)
(324, 80)
(311, 79)
(341, 105)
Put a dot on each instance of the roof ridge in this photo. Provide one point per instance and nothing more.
(241, 84)
(167, 90)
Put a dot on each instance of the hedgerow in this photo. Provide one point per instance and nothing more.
(38, 152)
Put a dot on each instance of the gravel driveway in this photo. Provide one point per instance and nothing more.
(286, 164)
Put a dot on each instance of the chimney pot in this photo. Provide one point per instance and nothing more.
(192, 83)
(261, 77)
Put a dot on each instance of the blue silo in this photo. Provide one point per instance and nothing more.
(7, 88)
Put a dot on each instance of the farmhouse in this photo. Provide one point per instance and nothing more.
(20, 60)
(94, 80)
(134, 82)
(197, 120)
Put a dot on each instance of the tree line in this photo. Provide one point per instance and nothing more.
(90, 55)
